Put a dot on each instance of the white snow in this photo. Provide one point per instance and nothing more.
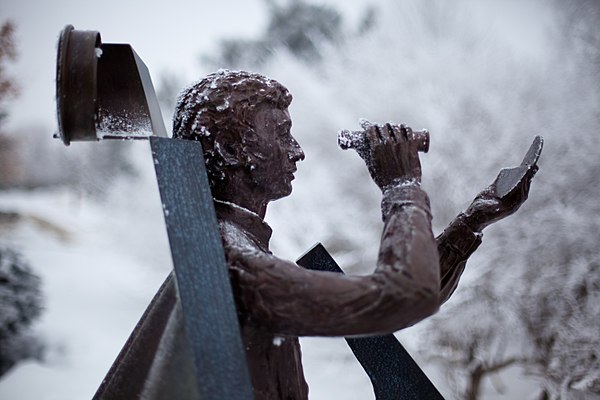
(238, 207)
(485, 77)
(223, 106)
(95, 288)
(123, 125)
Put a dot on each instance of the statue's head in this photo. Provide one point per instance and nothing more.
(242, 121)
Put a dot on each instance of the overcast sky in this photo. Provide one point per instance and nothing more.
(168, 36)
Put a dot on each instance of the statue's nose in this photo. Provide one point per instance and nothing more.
(296, 153)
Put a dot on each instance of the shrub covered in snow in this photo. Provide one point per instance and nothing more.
(20, 305)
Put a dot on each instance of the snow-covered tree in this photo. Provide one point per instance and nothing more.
(20, 305)
(484, 77)
(539, 274)
(294, 25)
(8, 88)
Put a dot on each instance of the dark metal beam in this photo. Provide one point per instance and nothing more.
(205, 293)
(393, 372)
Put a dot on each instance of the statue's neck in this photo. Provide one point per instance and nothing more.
(246, 220)
(238, 190)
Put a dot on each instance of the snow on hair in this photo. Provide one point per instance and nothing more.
(222, 105)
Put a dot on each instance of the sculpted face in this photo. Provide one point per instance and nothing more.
(273, 152)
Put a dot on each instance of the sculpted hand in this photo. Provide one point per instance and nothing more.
(390, 154)
(507, 193)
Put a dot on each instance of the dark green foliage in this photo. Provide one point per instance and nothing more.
(295, 26)
(20, 305)
(300, 27)
(8, 53)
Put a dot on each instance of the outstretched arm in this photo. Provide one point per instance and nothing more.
(286, 299)
(502, 198)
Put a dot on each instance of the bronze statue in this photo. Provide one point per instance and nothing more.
(242, 121)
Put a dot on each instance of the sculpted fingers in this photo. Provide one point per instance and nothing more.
(389, 150)
(373, 136)
(392, 132)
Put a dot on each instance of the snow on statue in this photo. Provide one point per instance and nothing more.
(243, 123)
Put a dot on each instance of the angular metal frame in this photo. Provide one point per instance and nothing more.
(103, 90)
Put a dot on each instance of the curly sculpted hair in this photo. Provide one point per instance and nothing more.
(219, 111)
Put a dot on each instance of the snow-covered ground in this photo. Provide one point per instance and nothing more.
(94, 288)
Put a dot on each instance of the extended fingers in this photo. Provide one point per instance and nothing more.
(395, 133)
(380, 135)
(373, 135)
(387, 133)
(406, 132)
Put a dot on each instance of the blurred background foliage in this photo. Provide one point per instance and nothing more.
(484, 77)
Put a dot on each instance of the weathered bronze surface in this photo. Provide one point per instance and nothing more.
(242, 121)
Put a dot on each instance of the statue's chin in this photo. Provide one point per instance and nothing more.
(281, 191)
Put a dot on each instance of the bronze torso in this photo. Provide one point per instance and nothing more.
(279, 301)
(274, 361)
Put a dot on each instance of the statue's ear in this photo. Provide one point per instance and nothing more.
(229, 149)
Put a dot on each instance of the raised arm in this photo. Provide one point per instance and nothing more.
(455, 246)
(502, 198)
(286, 299)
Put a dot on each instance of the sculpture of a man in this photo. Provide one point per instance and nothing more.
(243, 123)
